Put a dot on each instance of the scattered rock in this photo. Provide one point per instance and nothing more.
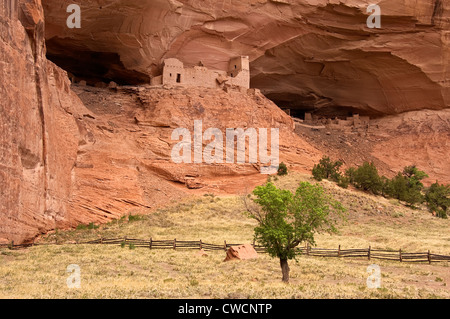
(113, 85)
(243, 252)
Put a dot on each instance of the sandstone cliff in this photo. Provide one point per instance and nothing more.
(71, 153)
(38, 131)
(63, 164)
(306, 55)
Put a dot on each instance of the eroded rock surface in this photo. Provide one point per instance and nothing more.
(305, 55)
(63, 163)
(71, 153)
(38, 137)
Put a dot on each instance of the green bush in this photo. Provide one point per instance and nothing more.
(92, 226)
(81, 227)
(407, 186)
(343, 182)
(438, 199)
(397, 187)
(366, 177)
(327, 169)
(134, 218)
(350, 174)
(386, 186)
(414, 176)
(282, 169)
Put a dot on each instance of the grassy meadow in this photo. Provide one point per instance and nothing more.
(120, 272)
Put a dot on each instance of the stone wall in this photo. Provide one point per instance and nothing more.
(201, 76)
(174, 73)
(355, 121)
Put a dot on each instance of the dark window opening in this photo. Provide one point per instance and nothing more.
(178, 78)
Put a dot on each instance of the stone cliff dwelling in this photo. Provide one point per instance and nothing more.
(175, 73)
(354, 122)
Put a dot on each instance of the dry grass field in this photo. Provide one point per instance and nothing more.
(121, 272)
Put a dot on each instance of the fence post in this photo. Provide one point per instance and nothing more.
(225, 245)
(307, 249)
(101, 240)
(201, 245)
(12, 244)
(368, 253)
(429, 257)
(150, 243)
(339, 251)
(175, 244)
(400, 251)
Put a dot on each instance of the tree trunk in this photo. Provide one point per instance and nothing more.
(285, 270)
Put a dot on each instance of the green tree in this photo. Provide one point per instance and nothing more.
(386, 186)
(407, 186)
(414, 176)
(286, 220)
(366, 177)
(397, 187)
(327, 169)
(343, 182)
(350, 174)
(282, 169)
(438, 199)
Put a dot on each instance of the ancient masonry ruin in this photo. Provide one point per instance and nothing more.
(175, 73)
(354, 122)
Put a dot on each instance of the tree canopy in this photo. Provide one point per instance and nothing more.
(287, 219)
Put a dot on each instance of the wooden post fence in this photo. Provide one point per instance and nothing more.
(384, 254)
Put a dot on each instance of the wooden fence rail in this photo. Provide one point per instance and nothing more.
(369, 253)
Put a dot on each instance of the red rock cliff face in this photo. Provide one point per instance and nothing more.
(38, 132)
(64, 161)
(99, 154)
(306, 55)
